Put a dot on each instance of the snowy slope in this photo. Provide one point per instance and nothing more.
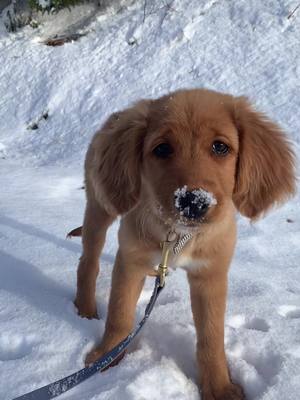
(241, 47)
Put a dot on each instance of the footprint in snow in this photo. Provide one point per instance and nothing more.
(255, 323)
(14, 347)
(289, 311)
(254, 368)
(134, 35)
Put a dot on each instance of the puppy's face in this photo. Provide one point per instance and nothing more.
(189, 159)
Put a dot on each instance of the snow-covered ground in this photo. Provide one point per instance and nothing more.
(132, 51)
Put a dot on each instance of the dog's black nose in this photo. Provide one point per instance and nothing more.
(192, 204)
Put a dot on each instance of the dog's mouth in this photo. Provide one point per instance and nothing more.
(186, 226)
(178, 222)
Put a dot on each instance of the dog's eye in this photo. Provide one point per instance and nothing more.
(220, 148)
(163, 150)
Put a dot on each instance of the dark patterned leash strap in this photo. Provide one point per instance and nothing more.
(61, 386)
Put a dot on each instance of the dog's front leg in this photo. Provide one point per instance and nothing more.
(127, 282)
(96, 223)
(208, 297)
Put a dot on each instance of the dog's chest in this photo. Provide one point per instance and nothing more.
(182, 260)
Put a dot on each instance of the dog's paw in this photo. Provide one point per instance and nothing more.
(97, 353)
(231, 392)
(93, 356)
(86, 311)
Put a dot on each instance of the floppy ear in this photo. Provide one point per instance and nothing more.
(266, 162)
(115, 157)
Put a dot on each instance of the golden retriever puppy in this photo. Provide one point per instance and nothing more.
(185, 163)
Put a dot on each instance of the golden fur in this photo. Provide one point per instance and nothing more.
(123, 176)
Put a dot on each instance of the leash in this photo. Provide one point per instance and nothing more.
(63, 385)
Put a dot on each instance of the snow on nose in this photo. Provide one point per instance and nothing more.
(193, 204)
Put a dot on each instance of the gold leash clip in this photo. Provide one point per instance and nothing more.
(163, 266)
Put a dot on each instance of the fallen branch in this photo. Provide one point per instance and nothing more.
(61, 40)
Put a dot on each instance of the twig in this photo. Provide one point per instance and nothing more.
(145, 7)
(35, 123)
(166, 7)
(293, 12)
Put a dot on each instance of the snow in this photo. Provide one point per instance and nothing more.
(130, 52)
(44, 3)
(199, 197)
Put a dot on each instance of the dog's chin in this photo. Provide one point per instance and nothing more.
(179, 224)
(184, 227)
